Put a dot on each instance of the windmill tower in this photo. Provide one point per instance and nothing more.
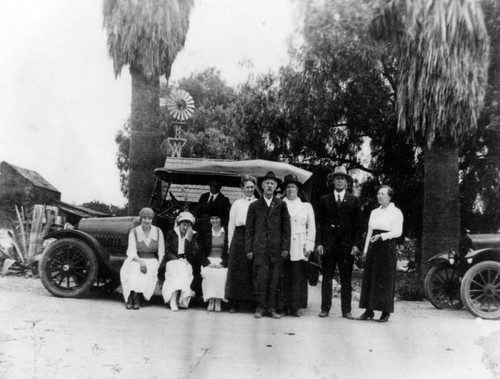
(180, 105)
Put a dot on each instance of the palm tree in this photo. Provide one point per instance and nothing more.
(443, 49)
(146, 35)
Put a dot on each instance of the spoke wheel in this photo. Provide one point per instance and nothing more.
(68, 268)
(480, 290)
(442, 286)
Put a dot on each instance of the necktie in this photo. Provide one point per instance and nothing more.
(339, 201)
(210, 200)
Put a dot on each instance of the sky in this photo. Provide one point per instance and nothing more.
(61, 105)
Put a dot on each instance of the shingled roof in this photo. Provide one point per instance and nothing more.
(34, 177)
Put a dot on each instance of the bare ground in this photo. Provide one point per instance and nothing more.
(42, 336)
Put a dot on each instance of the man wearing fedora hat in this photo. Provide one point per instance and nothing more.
(338, 237)
(267, 242)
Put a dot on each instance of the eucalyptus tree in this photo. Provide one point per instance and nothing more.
(146, 36)
(442, 60)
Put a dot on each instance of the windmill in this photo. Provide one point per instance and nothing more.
(180, 105)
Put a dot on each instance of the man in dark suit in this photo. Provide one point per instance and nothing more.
(337, 240)
(206, 205)
(267, 242)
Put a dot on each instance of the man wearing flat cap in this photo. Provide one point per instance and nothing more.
(337, 239)
(267, 242)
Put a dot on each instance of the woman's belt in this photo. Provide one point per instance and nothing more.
(147, 255)
(379, 231)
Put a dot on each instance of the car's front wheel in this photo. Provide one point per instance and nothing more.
(480, 290)
(442, 286)
(68, 268)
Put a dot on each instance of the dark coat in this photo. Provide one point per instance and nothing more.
(267, 230)
(171, 249)
(206, 250)
(339, 226)
(221, 203)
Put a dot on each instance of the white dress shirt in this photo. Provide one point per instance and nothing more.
(238, 215)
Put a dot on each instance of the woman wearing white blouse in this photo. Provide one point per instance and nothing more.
(377, 290)
(239, 288)
(145, 250)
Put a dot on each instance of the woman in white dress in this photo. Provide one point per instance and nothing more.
(239, 286)
(181, 248)
(214, 262)
(146, 249)
(303, 234)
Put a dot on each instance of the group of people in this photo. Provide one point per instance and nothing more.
(254, 254)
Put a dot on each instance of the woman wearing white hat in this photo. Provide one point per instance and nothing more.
(145, 250)
(181, 248)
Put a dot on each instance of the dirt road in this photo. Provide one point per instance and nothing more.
(42, 336)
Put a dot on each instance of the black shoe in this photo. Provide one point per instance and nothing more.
(384, 317)
(258, 314)
(323, 314)
(130, 300)
(294, 313)
(137, 301)
(275, 315)
(367, 315)
(347, 315)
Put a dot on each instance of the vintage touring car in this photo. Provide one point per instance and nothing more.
(93, 252)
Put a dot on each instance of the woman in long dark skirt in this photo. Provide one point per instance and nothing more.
(239, 288)
(379, 277)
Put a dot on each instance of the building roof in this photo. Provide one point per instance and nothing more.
(79, 210)
(34, 177)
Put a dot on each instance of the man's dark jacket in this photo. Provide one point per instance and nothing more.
(339, 225)
(267, 230)
(203, 210)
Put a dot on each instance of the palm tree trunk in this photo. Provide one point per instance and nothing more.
(145, 140)
(441, 213)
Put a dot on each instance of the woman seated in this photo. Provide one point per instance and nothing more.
(214, 261)
(181, 247)
(145, 250)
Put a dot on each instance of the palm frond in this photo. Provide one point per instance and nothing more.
(147, 35)
(443, 60)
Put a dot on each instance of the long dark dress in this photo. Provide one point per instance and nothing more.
(239, 274)
(379, 277)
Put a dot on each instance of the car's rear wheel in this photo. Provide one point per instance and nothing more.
(442, 286)
(68, 268)
(480, 290)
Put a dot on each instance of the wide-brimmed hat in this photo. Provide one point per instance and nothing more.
(269, 175)
(185, 216)
(339, 171)
(291, 179)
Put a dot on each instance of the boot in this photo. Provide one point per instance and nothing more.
(137, 301)
(130, 300)
(367, 315)
(384, 317)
